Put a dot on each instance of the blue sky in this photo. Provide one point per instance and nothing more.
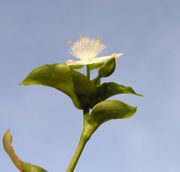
(44, 123)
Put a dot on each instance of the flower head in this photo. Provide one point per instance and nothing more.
(86, 50)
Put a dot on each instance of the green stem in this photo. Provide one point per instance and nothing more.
(88, 71)
(82, 142)
(85, 135)
(96, 80)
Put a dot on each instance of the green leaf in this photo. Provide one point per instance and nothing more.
(27, 167)
(65, 79)
(108, 110)
(107, 68)
(85, 90)
(54, 75)
(21, 165)
(109, 89)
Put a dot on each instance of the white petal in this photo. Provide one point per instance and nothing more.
(93, 61)
(73, 63)
(105, 58)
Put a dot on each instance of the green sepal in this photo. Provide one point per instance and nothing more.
(109, 89)
(96, 65)
(62, 77)
(108, 110)
(76, 66)
(27, 167)
(107, 68)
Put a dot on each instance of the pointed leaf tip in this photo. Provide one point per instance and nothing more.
(58, 76)
(109, 89)
(7, 143)
(63, 78)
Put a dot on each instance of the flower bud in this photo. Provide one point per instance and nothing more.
(107, 68)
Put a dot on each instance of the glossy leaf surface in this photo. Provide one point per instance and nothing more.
(65, 79)
(108, 110)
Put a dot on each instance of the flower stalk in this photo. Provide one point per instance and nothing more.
(88, 71)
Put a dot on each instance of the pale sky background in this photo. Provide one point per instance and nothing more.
(44, 122)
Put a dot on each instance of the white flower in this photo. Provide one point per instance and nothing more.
(87, 50)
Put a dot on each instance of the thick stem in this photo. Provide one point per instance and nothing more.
(82, 142)
(85, 135)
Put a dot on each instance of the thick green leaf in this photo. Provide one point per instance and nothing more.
(109, 89)
(62, 77)
(107, 68)
(27, 167)
(108, 110)
(53, 75)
